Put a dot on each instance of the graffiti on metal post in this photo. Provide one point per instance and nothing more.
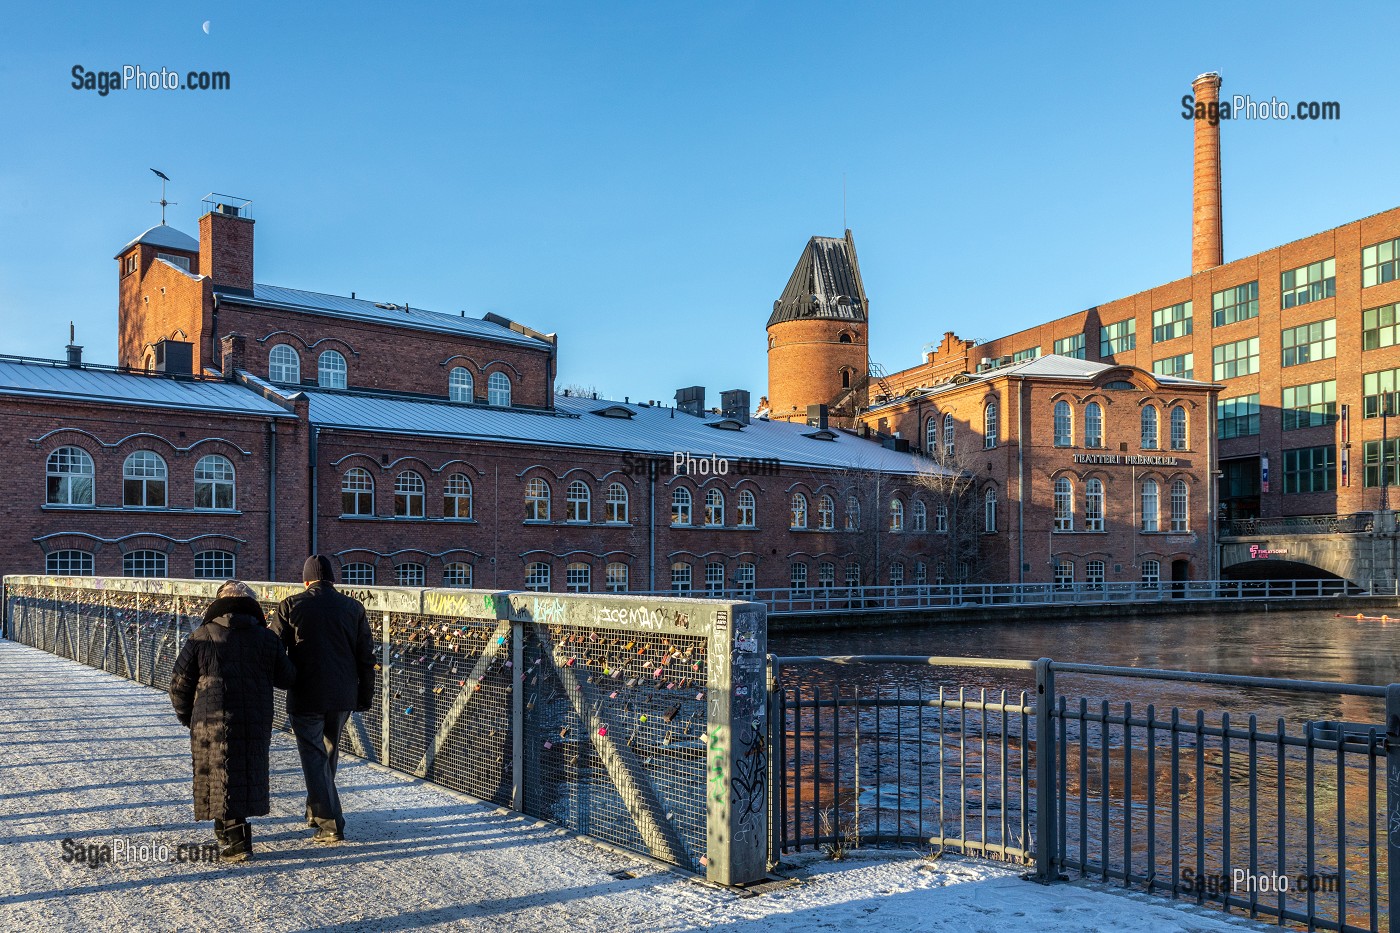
(750, 780)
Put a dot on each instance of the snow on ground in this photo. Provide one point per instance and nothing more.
(91, 757)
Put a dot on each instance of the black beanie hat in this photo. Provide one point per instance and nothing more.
(316, 569)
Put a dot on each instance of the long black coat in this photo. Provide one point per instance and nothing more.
(222, 690)
(327, 637)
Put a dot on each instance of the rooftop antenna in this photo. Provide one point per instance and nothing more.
(162, 202)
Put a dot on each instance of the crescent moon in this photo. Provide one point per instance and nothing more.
(206, 27)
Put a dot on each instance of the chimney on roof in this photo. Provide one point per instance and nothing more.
(1207, 224)
(734, 403)
(691, 400)
(174, 357)
(75, 352)
(816, 416)
(226, 242)
(233, 349)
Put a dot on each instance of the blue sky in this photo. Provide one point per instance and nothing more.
(641, 177)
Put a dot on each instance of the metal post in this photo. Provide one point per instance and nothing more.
(1046, 822)
(517, 716)
(1392, 798)
(385, 694)
(777, 735)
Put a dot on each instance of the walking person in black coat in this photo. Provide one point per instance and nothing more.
(222, 691)
(327, 636)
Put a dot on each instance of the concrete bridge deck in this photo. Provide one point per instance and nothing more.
(90, 757)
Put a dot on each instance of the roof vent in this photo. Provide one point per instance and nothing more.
(691, 400)
(734, 403)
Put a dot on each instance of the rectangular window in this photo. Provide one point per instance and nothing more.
(1240, 358)
(1021, 356)
(1071, 346)
(1064, 575)
(214, 565)
(1237, 417)
(1308, 342)
(182, 261)
(1118, 337)
(1235, 304)
(1170, 323)
(1309, 469)
(1378, 328)
(1371, 457)
(1309, 406)
(1313, 282)
(1094, 574)
(1377, 390)
(1380, 263)
(1183, 366)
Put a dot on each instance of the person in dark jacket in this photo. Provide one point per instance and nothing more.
(327, 636)
(221, 688)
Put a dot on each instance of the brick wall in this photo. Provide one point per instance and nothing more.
(805, 361)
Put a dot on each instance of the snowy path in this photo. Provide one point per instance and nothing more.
(88, 756)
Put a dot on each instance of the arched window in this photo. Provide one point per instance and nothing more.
(69, 563)
(989, 426)
(799, 577)
(1064, 574)
(680, 577)
(537, 576)
(213, 483)
(931, 435)
(1181, 502)
(1093, 425)
(1064, 504)
(617, 504)
(409, 495)
(714, 579)
(1151, 572)
(896, 515)
(1149, 505)
(578, 577)
(920, 573)
(498, 390)
(579, 503)
(330, 370)
(144, 564)
(457, 575)
(826, 513)
(844, 338)
(537, 504)
(457, 497)
(70, 473)
(940, 519)
(283, 364)
(1149, 427)
(748, 509)
(357, 574)
(897, 573)
(1093, 505)
(1094, 574)
(680, 506)
(356, 492)
(459, 385)
(745, 576)
(989, 509)
(920, 516)
(143, 483)
(799, 511)
(948, 437)
(845, 378)
(616, 578)
(1064, 424)
(410, 574)
(852, 576)
(852, 513)
(714, 508)
(1178, 428)
(826, 575)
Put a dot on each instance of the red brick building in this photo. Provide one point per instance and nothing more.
(250, 424)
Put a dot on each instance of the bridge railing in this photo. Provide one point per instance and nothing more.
(1347, 524)
(639, 721)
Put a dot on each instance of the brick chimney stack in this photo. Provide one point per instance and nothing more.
(233, 349)
(1207, 231)
(226, 246)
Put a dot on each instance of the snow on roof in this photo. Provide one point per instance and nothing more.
(652, 430)
(62, 382)
(166, 236)
(295, 299)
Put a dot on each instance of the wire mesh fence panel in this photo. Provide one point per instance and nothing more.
(615, 736)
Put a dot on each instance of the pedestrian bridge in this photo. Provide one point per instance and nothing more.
(1360, 548)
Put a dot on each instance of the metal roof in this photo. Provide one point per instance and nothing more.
(337, 306)
(58, 381)
(166, 236)
(825, 285)
(651, 431)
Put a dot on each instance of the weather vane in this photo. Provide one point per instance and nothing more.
(162, 202)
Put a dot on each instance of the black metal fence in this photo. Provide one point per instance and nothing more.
(1280, 816)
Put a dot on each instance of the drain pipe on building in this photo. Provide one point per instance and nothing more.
(272, 500)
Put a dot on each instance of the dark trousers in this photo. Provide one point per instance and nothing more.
(318, 743)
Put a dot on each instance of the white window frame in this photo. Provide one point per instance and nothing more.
(578, 503)
(537, 574)
(357, 482)
(681, 504)
(410, 495)
(616, 504)
(284, 367)
(75, 476)
(215, 564)
(457, 497)
(537, 496)
(331, 370)
(215, 480)
(498, 390)
(146, 468)
(461, 387)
